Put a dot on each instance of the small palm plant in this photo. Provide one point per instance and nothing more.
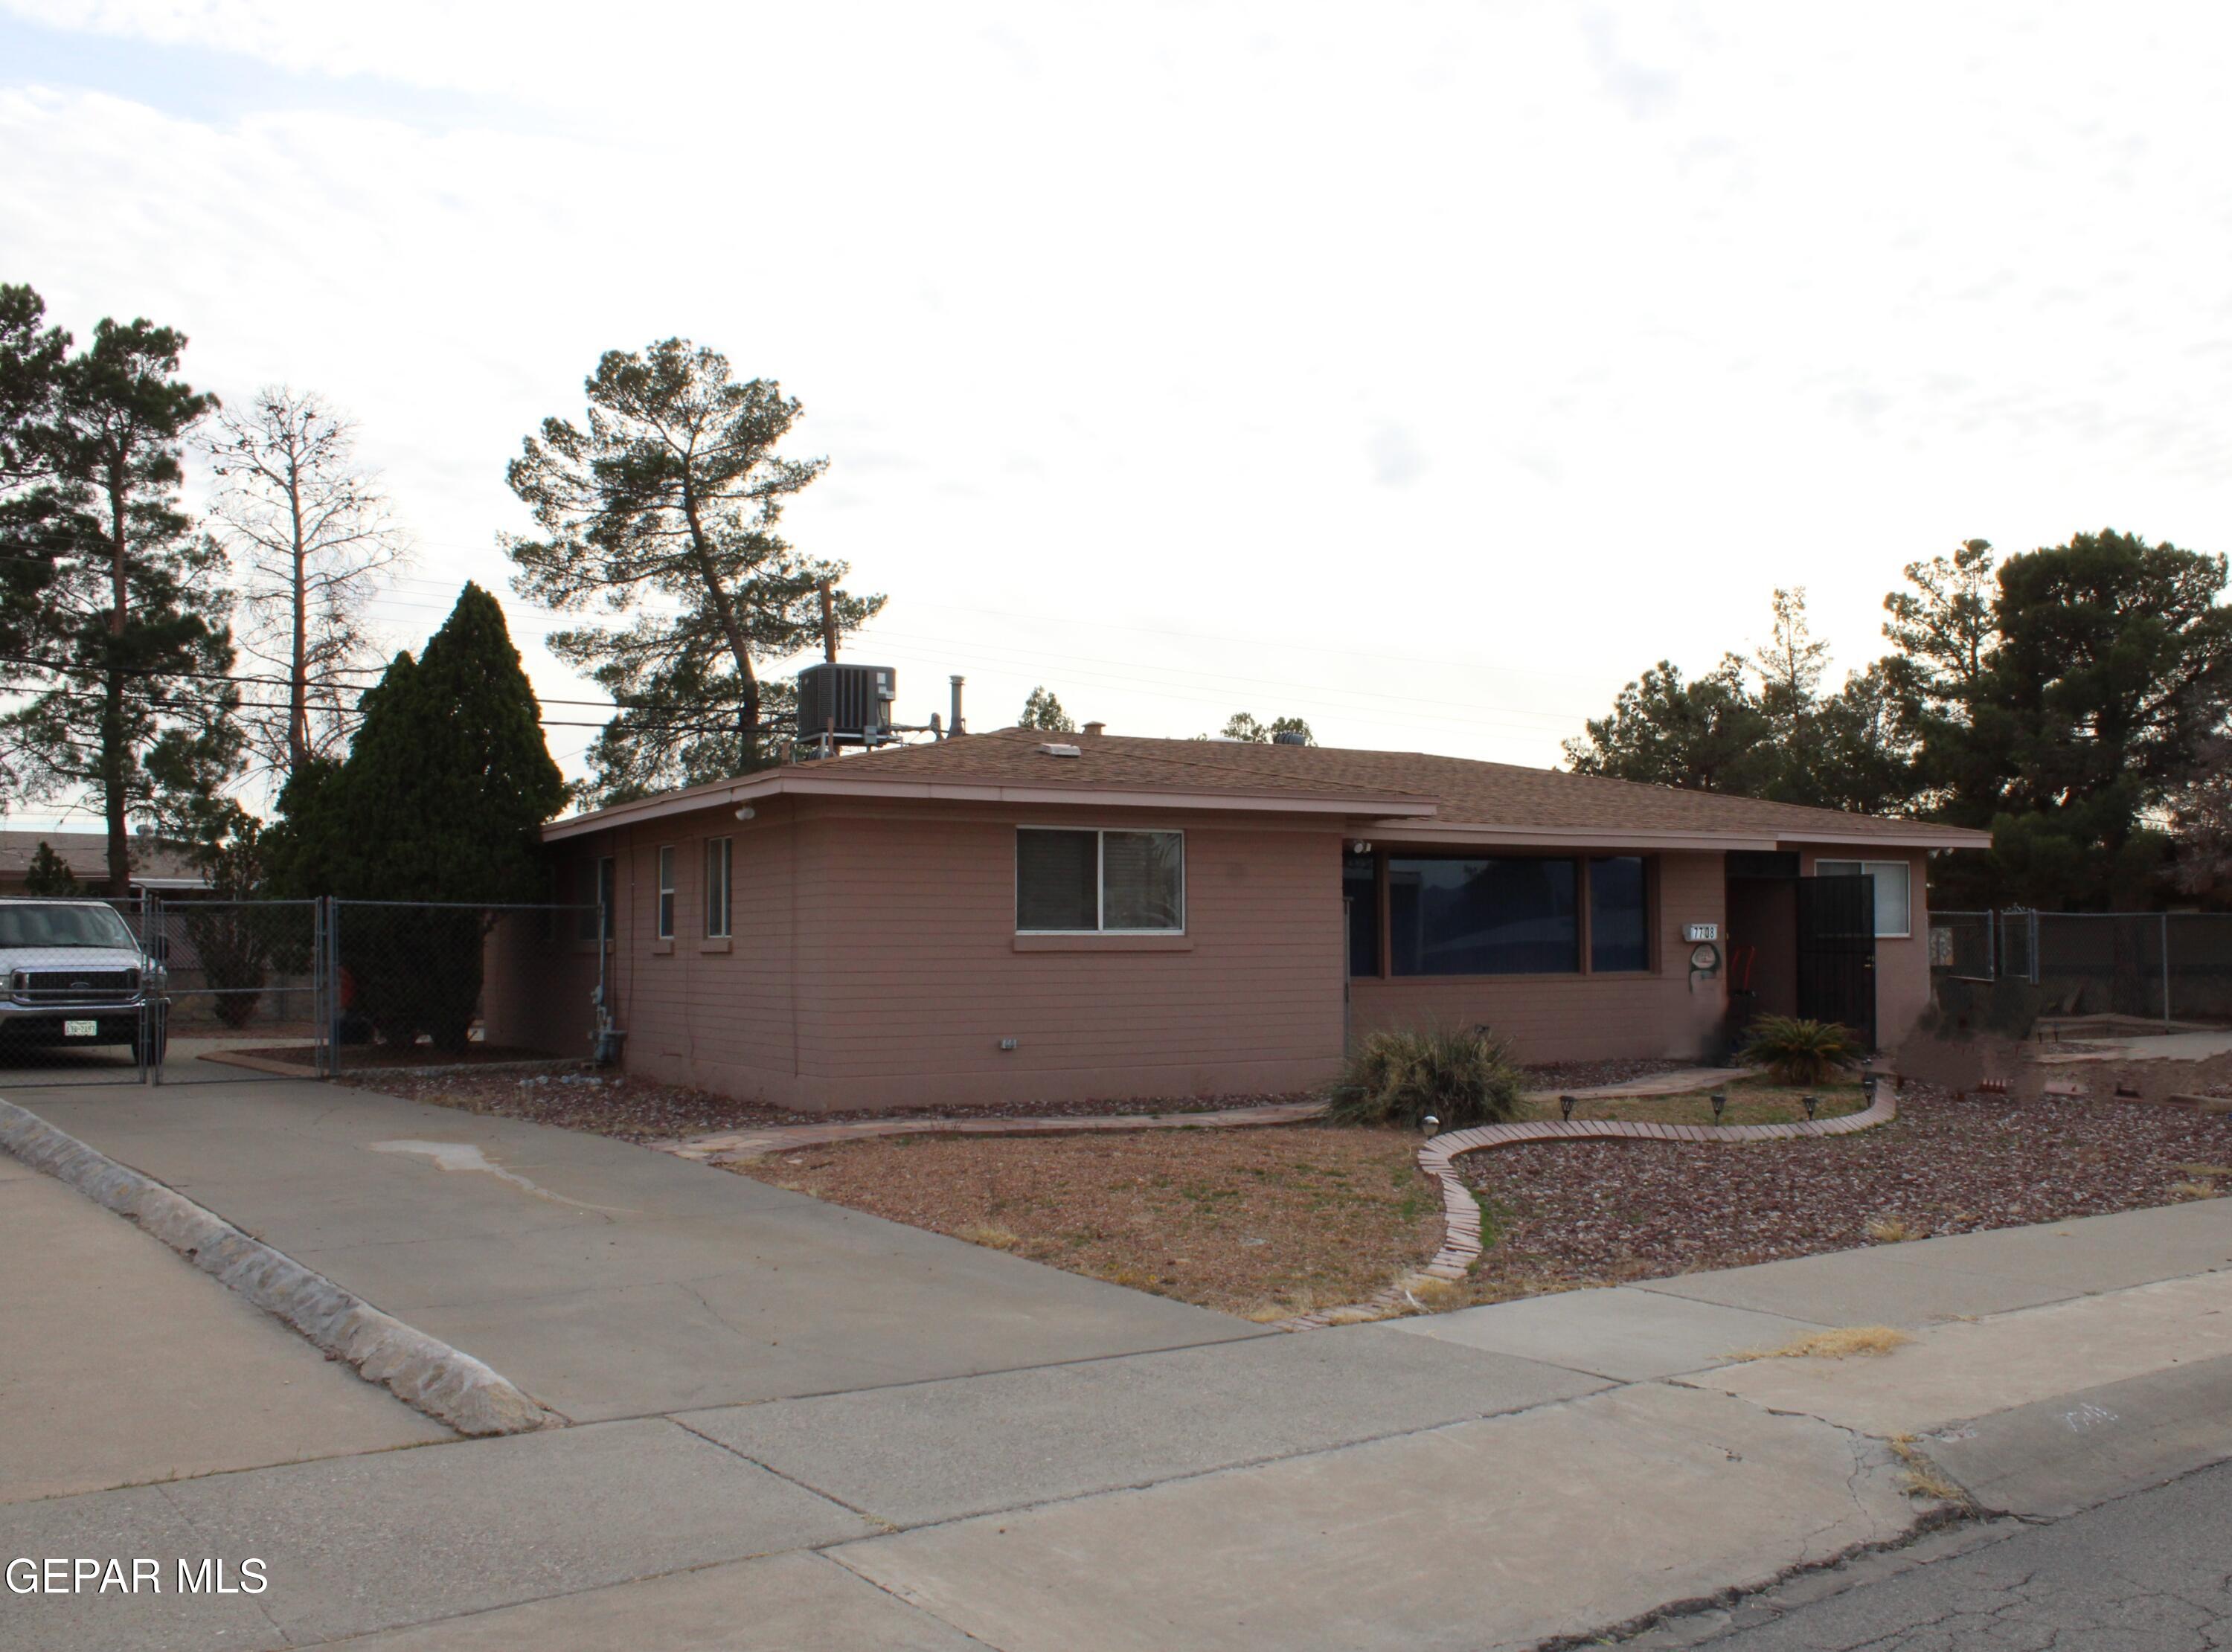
(1797, 1051)
(1402, 1076)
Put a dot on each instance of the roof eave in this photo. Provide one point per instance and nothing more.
(1468, 832)
(792, 783)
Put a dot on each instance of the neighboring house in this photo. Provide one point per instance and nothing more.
(1000, 916)
(165, 868)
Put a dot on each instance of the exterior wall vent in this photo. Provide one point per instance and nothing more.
(1053, 749)
(851, 704)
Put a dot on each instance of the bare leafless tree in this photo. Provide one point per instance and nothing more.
(310, 531)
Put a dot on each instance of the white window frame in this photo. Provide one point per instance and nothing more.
(721, 878)
(1871, 869)
(1101, 878)
(664, 920)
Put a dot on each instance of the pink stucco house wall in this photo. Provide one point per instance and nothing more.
(992, 917)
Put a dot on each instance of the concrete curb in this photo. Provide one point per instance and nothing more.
(1460, 1247)
(430, 1376)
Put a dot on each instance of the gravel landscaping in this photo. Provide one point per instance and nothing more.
(1277, 1220)
(1593, 1213)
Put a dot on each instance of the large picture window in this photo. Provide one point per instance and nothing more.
(1894, 893)
(1111, 883)
(1502, 917)
(1620, 920)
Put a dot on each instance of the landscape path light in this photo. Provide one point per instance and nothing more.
(1720, 1102)
(1812, 1102)
(1566, 1106)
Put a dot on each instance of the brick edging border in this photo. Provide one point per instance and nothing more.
(1460, 1247)
(422, 1371)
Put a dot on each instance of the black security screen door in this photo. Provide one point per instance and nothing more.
(1836, 952)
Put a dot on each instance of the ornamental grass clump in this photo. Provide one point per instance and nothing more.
(1800, 1052)
(1402, 1077)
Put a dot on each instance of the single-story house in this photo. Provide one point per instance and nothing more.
(163, 868)
(1020, 916)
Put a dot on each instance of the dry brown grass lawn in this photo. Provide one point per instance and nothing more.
(1262, 1221)
(1751, 1101)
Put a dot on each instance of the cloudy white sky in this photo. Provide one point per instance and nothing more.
(1426, 371)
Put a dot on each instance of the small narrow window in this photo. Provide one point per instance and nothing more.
(720, 860)
(598, 884)
(1359, 883)
(666, 891)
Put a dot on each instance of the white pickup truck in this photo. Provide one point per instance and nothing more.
(73, 975)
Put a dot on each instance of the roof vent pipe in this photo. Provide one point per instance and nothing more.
(955, 726)
(1094, 730)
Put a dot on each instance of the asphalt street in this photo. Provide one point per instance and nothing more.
(2150, 1573)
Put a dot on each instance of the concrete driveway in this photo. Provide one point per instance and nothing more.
(606, 1280)
(102, 1322)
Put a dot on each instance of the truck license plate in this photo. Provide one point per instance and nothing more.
(80, 1029)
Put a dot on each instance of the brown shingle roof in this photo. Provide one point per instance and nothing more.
(86, 855)
(1466, 797)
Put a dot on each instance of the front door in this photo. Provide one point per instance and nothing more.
(1836, 952)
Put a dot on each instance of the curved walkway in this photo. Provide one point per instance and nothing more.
(1460, 1245)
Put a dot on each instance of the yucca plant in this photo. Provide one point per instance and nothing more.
(1401, 1076)
(1798, 1051)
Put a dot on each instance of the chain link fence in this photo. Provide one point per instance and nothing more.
(195, 991)
(2170, 969)
(421, 984)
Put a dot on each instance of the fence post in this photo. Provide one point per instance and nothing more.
(1991, 944)
(334, 977)
(157, 1015)
(2166, 967)
(321, 1017)
(2034, 946)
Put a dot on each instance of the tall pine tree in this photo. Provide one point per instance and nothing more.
(130, 630)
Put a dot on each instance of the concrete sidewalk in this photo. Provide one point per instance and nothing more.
(1481, 1478)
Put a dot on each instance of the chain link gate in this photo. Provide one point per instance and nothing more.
(209, 991)
(2173, 969)
(243, 992)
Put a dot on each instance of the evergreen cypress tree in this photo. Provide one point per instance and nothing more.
(49, 873)
(441, 798)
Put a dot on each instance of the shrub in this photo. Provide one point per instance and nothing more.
(1398, 1077)
(1797, 1051)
